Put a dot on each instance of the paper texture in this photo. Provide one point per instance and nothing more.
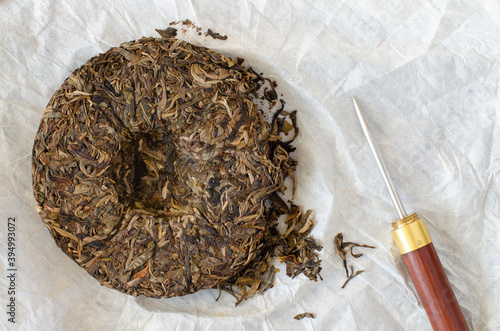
(426, 74)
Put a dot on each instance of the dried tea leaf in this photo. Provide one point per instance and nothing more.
(342, 248)
(139, 261)
(142, 273)
(215, 35)
(352, 275)
(168, 32)
(304, 315)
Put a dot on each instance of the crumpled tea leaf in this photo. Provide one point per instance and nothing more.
(304, 315)
(342, 249)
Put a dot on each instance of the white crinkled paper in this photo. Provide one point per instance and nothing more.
(426, 74)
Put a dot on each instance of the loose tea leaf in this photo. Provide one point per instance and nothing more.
(215, 35)
(342, 249)
(155, 171)
(352, 275)
(168, 32)
(304, 315)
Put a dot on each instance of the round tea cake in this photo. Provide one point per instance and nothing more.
(153, 168)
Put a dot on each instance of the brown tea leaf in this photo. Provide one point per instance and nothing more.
(215, 35)
(342, 248)
(142, 273)
(304, 315)
(352, 275)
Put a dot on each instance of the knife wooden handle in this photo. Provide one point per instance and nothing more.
(427, 273)
(434, 289)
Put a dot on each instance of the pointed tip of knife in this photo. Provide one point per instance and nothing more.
(358, 110)
(355, 102)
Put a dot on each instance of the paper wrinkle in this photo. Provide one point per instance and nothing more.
(424, 72)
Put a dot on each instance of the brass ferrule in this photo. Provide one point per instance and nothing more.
(410, 234)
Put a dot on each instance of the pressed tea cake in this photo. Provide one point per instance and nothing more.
(156, 172)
